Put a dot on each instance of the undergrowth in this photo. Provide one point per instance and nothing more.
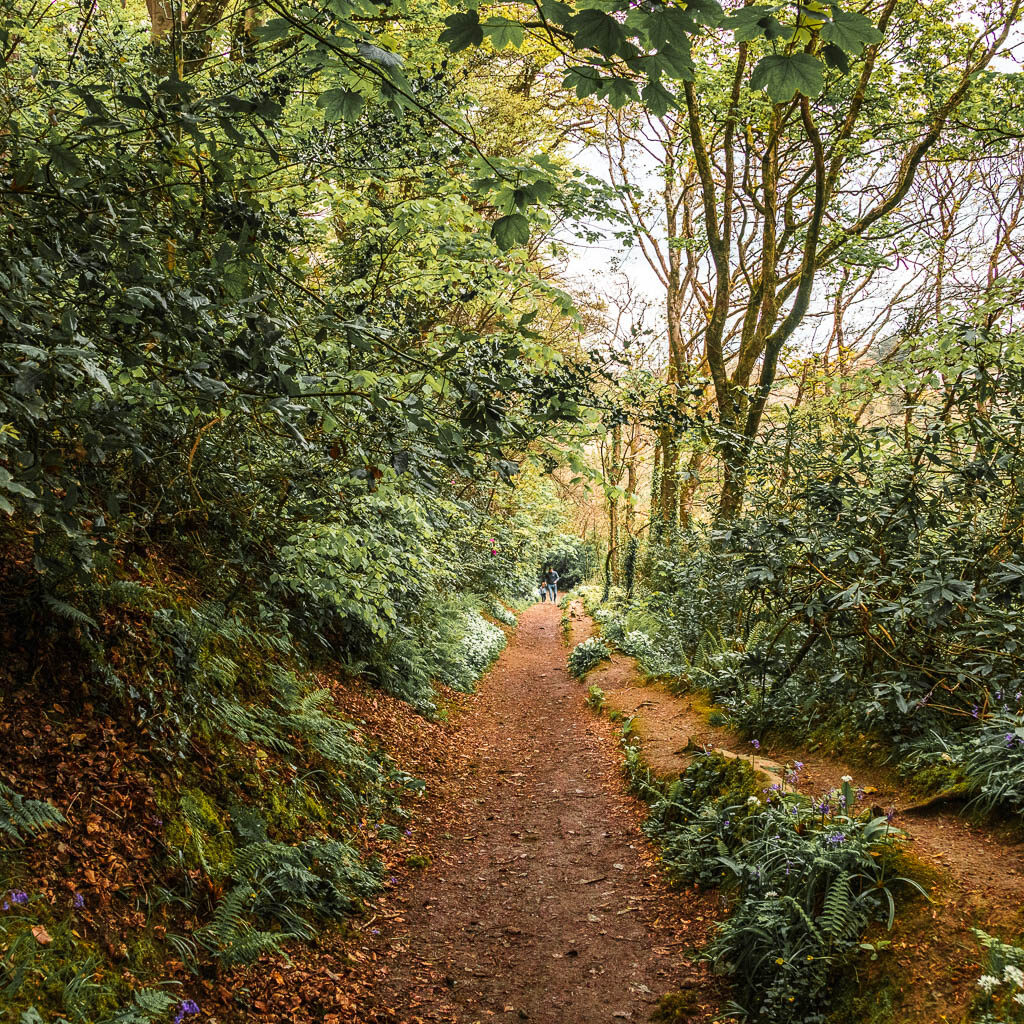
(264, 794)
(587, 655)
(804, 879)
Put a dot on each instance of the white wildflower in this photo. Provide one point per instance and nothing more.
(847, 778)
(1013, 975)
(988, 982)
(752, 801)
(770, 894)
(1019, 998)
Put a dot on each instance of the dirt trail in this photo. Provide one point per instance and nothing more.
(542, 900)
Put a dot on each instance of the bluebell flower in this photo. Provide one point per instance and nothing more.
(186, 1009)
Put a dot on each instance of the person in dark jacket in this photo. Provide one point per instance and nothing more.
(550, 581)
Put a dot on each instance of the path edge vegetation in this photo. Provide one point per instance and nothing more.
(686, 813)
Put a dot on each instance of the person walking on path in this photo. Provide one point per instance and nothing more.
(551, 582)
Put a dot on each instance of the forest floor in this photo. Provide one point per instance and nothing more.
(974, 871)
(536, 896)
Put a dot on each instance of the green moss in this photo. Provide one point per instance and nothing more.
(938, 779)
(677, 1007)
(418, 861)
(200, 830)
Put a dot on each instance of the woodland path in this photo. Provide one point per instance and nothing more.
(542, 900)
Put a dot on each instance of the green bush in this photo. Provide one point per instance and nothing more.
(1001, 999)
(992, 760)
(498, 611)
(806, 878)
(584, 656)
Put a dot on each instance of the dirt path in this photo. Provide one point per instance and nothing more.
(542, 899)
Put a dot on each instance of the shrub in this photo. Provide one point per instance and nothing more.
(595, 698)
(583, 657)
(807, 878)
(993, 762)
(1002, 985)
(498, 611)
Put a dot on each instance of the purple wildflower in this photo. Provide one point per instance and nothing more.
(798, 766)
(755, 744)
(836, 839)
(19, 896)
(78, 901)
(1009, 739)
(974, 711)
(186, 1009)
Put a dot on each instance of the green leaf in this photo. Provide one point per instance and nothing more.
(707, 12)
(503, 32)
(585, 80)
(510, 231)
(673, 60)
(620, 91)
(850, 31)
(836, 58)
(341, 104)
(663, 25)
(595, 30)
(785, 76)
(751, 22)
(658, 100)
(463, 31)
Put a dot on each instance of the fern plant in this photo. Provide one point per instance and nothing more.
(279, 890)
(21, 817)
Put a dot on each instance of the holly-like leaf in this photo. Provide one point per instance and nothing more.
(510, 231)
(463, 31)
(785, 76)
(850, 31)
(503, 32)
